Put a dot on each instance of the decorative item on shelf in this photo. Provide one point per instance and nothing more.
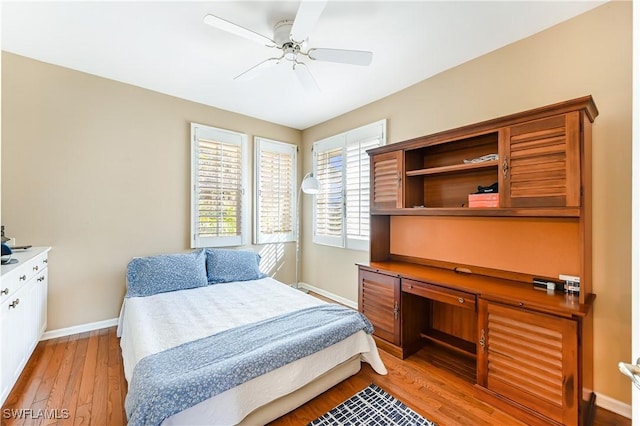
(484, 158)
(309, 185)
(486, 196)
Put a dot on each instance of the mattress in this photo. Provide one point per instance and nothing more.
(152, 324)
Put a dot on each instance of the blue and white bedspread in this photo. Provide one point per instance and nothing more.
(170, 381)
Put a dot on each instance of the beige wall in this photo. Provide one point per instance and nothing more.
(590, 54)
(100, 171)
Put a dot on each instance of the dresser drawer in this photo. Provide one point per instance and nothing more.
(21, 274)
(439, 293)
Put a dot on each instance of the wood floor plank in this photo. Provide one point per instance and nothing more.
(58, 388)
(50, 374)
(82, 415)
(101, 383)
(72, 390)
(114, 393)
(95, 388)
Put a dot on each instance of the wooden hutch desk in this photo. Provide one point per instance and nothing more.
(462, 277)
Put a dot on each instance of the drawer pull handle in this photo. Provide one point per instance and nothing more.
(35, 268)
(5, 291)
(520, 304)
(482, 340)
(396, 310)
(23, 277)
(460, 300)
(14, 304)
(45, 261)
(505, 167)
(40, 278)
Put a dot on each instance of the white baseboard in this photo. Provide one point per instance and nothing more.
(52, 334)
(613, 405)
(334, 297)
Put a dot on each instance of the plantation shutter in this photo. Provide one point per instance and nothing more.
(329, 201)
(341, 164)
(219, 196)
(276, 191)
(357, 190)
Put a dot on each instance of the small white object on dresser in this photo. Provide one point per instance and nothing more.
(23, 312)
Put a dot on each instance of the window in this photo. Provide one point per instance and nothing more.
(275, 195)
(219, 204)
(341, 165)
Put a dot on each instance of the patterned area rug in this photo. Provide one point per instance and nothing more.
(371, 406)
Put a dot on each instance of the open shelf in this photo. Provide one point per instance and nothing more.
(449, 341)
(453, 168)
(437, 176)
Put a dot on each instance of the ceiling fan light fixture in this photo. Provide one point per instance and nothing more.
(290, 52)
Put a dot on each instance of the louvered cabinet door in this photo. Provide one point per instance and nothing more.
(530, 359)
(541, 167)
(379, 301)
(386, 180)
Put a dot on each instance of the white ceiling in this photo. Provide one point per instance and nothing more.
(166, 47)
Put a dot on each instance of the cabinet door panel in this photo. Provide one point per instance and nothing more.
(542, 163)
(531, 359)
(386, 180)
(379, 302)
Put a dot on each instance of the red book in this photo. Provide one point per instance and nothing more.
(484, 200)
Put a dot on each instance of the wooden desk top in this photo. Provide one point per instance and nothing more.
(496, 289)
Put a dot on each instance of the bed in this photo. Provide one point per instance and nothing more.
(251, 347)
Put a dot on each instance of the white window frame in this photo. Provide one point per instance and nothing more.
(230, 137)
(263, 145)
(378, 130)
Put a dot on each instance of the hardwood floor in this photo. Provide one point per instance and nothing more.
(78, 380)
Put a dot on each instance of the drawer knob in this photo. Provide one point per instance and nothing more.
(45, 261)
(520, 304)
(41, 278)
(35, 268)
(14, 303)
(23, 277)
(5, 291)
(460, 300)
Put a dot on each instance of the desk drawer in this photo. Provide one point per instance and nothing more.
(439, 293)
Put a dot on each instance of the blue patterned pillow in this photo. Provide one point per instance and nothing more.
(225, 265)
(147, 276)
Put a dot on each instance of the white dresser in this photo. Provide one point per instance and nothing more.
(23, 312)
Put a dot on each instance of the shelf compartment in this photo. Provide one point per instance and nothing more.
(449, 341)
(436, 176)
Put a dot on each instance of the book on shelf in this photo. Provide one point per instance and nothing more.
(491, 199)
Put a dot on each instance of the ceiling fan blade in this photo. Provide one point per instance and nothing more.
(236, 29)
(353, 57)
(255, 70)
(305, 77)
(306, 18)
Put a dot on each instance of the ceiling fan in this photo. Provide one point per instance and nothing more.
(290, 37)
